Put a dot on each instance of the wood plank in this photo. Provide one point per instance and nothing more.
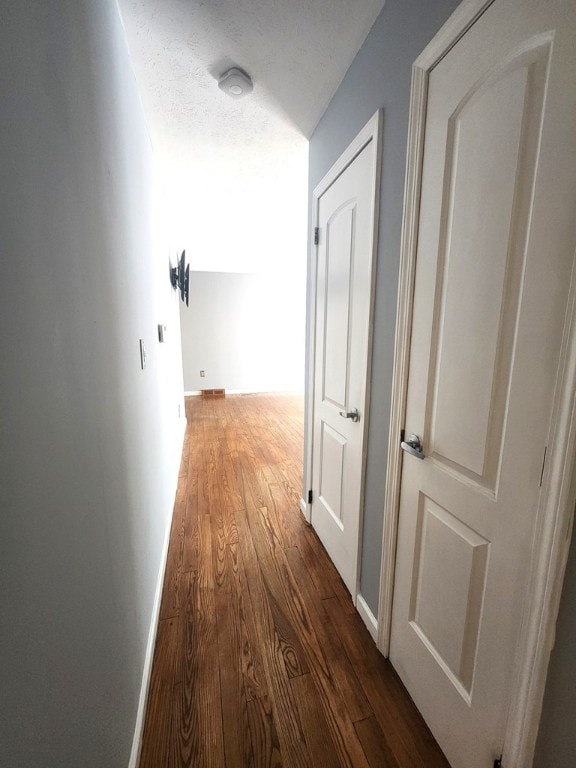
(165, 672)
(267, 597)
(402, 725)
(322, 570)
(231, 482)
(170, 603)
(224, 549)
(265, 743)
(235, 718)
(250, 736)
(374, 744)
(286, 715)
(282, 589)
(189, 552)
(316, 731)
(198, 717)
(290, 521)
(334, 662)
(262, 516)
(184, 461)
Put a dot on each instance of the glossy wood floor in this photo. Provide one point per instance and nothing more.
(261, 659)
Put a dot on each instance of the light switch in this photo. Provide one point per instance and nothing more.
(142, 354)
(161, 333)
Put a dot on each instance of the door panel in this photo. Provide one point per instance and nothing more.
(338, 279)
(490, 158)
(446, 601)
(332, 450)
(496, 245)
(343, 306)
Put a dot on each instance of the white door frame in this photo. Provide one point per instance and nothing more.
(372, 131)
(554, 517)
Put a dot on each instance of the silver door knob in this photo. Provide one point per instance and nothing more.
(413, 445)
(354, 415)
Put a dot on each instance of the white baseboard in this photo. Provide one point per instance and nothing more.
(306, 510)
(137, 741)
(147, 671)
(367, 617)
(196, 392)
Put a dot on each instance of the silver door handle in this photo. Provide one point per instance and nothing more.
(354, 415)
(413, 445)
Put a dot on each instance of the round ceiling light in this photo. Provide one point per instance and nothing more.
(235, 83)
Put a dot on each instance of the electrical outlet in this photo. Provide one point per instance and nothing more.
(202, 374)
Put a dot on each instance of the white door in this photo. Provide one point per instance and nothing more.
(346, 220)
(496, 244)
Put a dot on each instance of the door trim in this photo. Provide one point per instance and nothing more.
(372, 132)
(554, 516)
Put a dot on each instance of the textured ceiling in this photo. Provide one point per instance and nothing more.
(296, 51)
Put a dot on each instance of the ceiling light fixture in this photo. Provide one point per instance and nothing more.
(235, 83)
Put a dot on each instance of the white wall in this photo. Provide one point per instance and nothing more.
(242, 207)
(243, 225)
(245, 331)
(89, 443)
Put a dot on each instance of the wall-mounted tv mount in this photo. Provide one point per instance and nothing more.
(180, 278)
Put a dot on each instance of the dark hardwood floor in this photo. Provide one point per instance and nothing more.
(261, 659)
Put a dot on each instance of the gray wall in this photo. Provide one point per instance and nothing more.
(245, 331)
(556, 747)
(89, 443)
(380, 77)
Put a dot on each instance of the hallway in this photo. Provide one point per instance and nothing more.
(261, 659)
